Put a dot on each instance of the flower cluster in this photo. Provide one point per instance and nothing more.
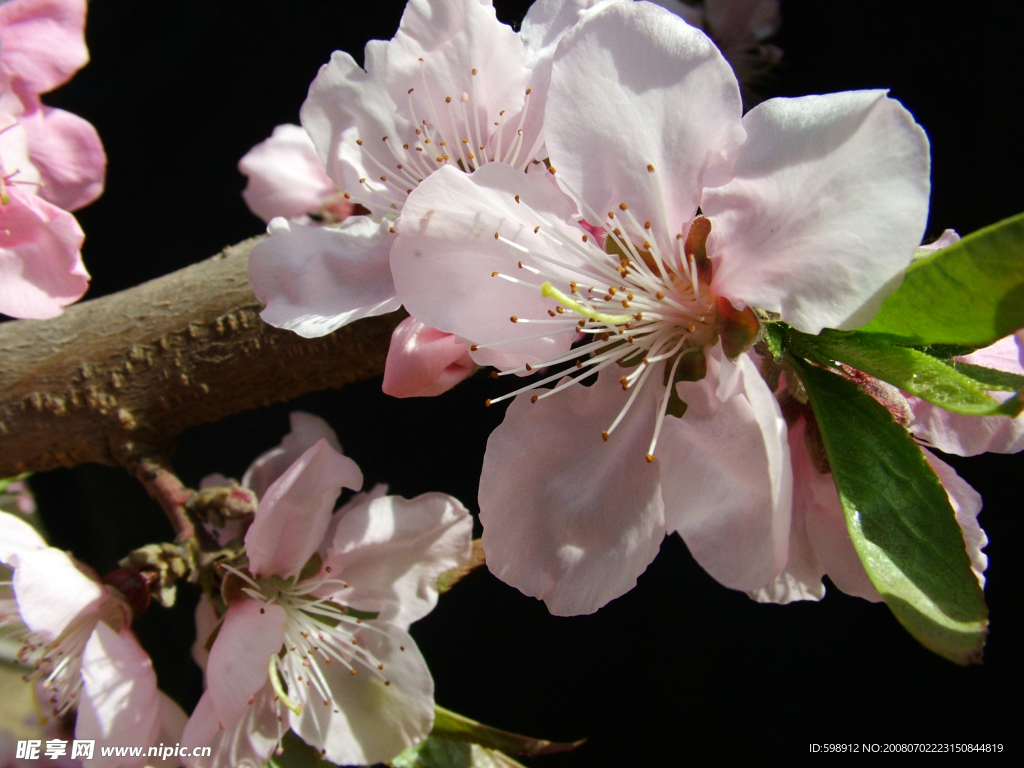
(558, 203)
(51, 161)
(76, 638)
(311, 633)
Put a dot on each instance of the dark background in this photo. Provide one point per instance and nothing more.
(680, 667)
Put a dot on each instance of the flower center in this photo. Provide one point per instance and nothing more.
(447, 131)
(318, 630)
(629, 302)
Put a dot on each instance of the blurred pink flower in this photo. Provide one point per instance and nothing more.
(76, 633)
(42, 44)
(41, 269)
(287, 178)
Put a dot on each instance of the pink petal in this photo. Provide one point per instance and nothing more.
(41, 269)
(52, 592)
(206, 622)
(447, 48)
(306, 431)
(294, 513)
(825, 522)
(17, 536)
(249, 743)
(947, 238)
(971, 435)
(1004, 355)
(423, 361)
(802, 578)
(69, 155)
(316, 279)
(966, 435)
(634, 86)
(966, 504)
(346, 105)
(172, 720)
(826, 210)
(374, 722)
(237, 667)
(286, 177)
(446, 252)
(727, 479)
(43, 41)
(391, 551)
(545, 24)
(120, 704)
(569, 518)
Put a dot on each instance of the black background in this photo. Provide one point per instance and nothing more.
(680, 667)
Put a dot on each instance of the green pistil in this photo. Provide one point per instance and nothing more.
(275, 681)
(549, 291)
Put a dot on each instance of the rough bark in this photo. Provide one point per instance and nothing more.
(115, 379)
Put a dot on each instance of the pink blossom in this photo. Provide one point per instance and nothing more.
(42, 44)
(41, 269)
(423, 362)
(287, 178)
(77, 635)
(289, 653)
(574, 520)
(454, 88)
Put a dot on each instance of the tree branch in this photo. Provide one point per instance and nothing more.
(115, 379)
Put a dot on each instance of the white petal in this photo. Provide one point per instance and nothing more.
(52, 592)
(346, 105)
(543, 27)
(17, 536)
(293, 515)
(316, 279)
(727, 477)
(120, 704)
(827, 207)
(248, 744)
(206, 622)
(438, 47)
(966, 504)
(446, 253)
(237, 667)
(306, 431)
(569, 518)
(825, 522)
(391, 551)
(633, 86)
(802, 578)
(172, 720)
(374, 721)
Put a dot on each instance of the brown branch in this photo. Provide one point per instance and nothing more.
(115, 379)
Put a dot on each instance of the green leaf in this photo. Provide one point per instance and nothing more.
(899, 518)
(912, 371)
(970, 293)
(775, 337)
(990, 378)
(444, 753)
(449, 579)
(456, 727)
